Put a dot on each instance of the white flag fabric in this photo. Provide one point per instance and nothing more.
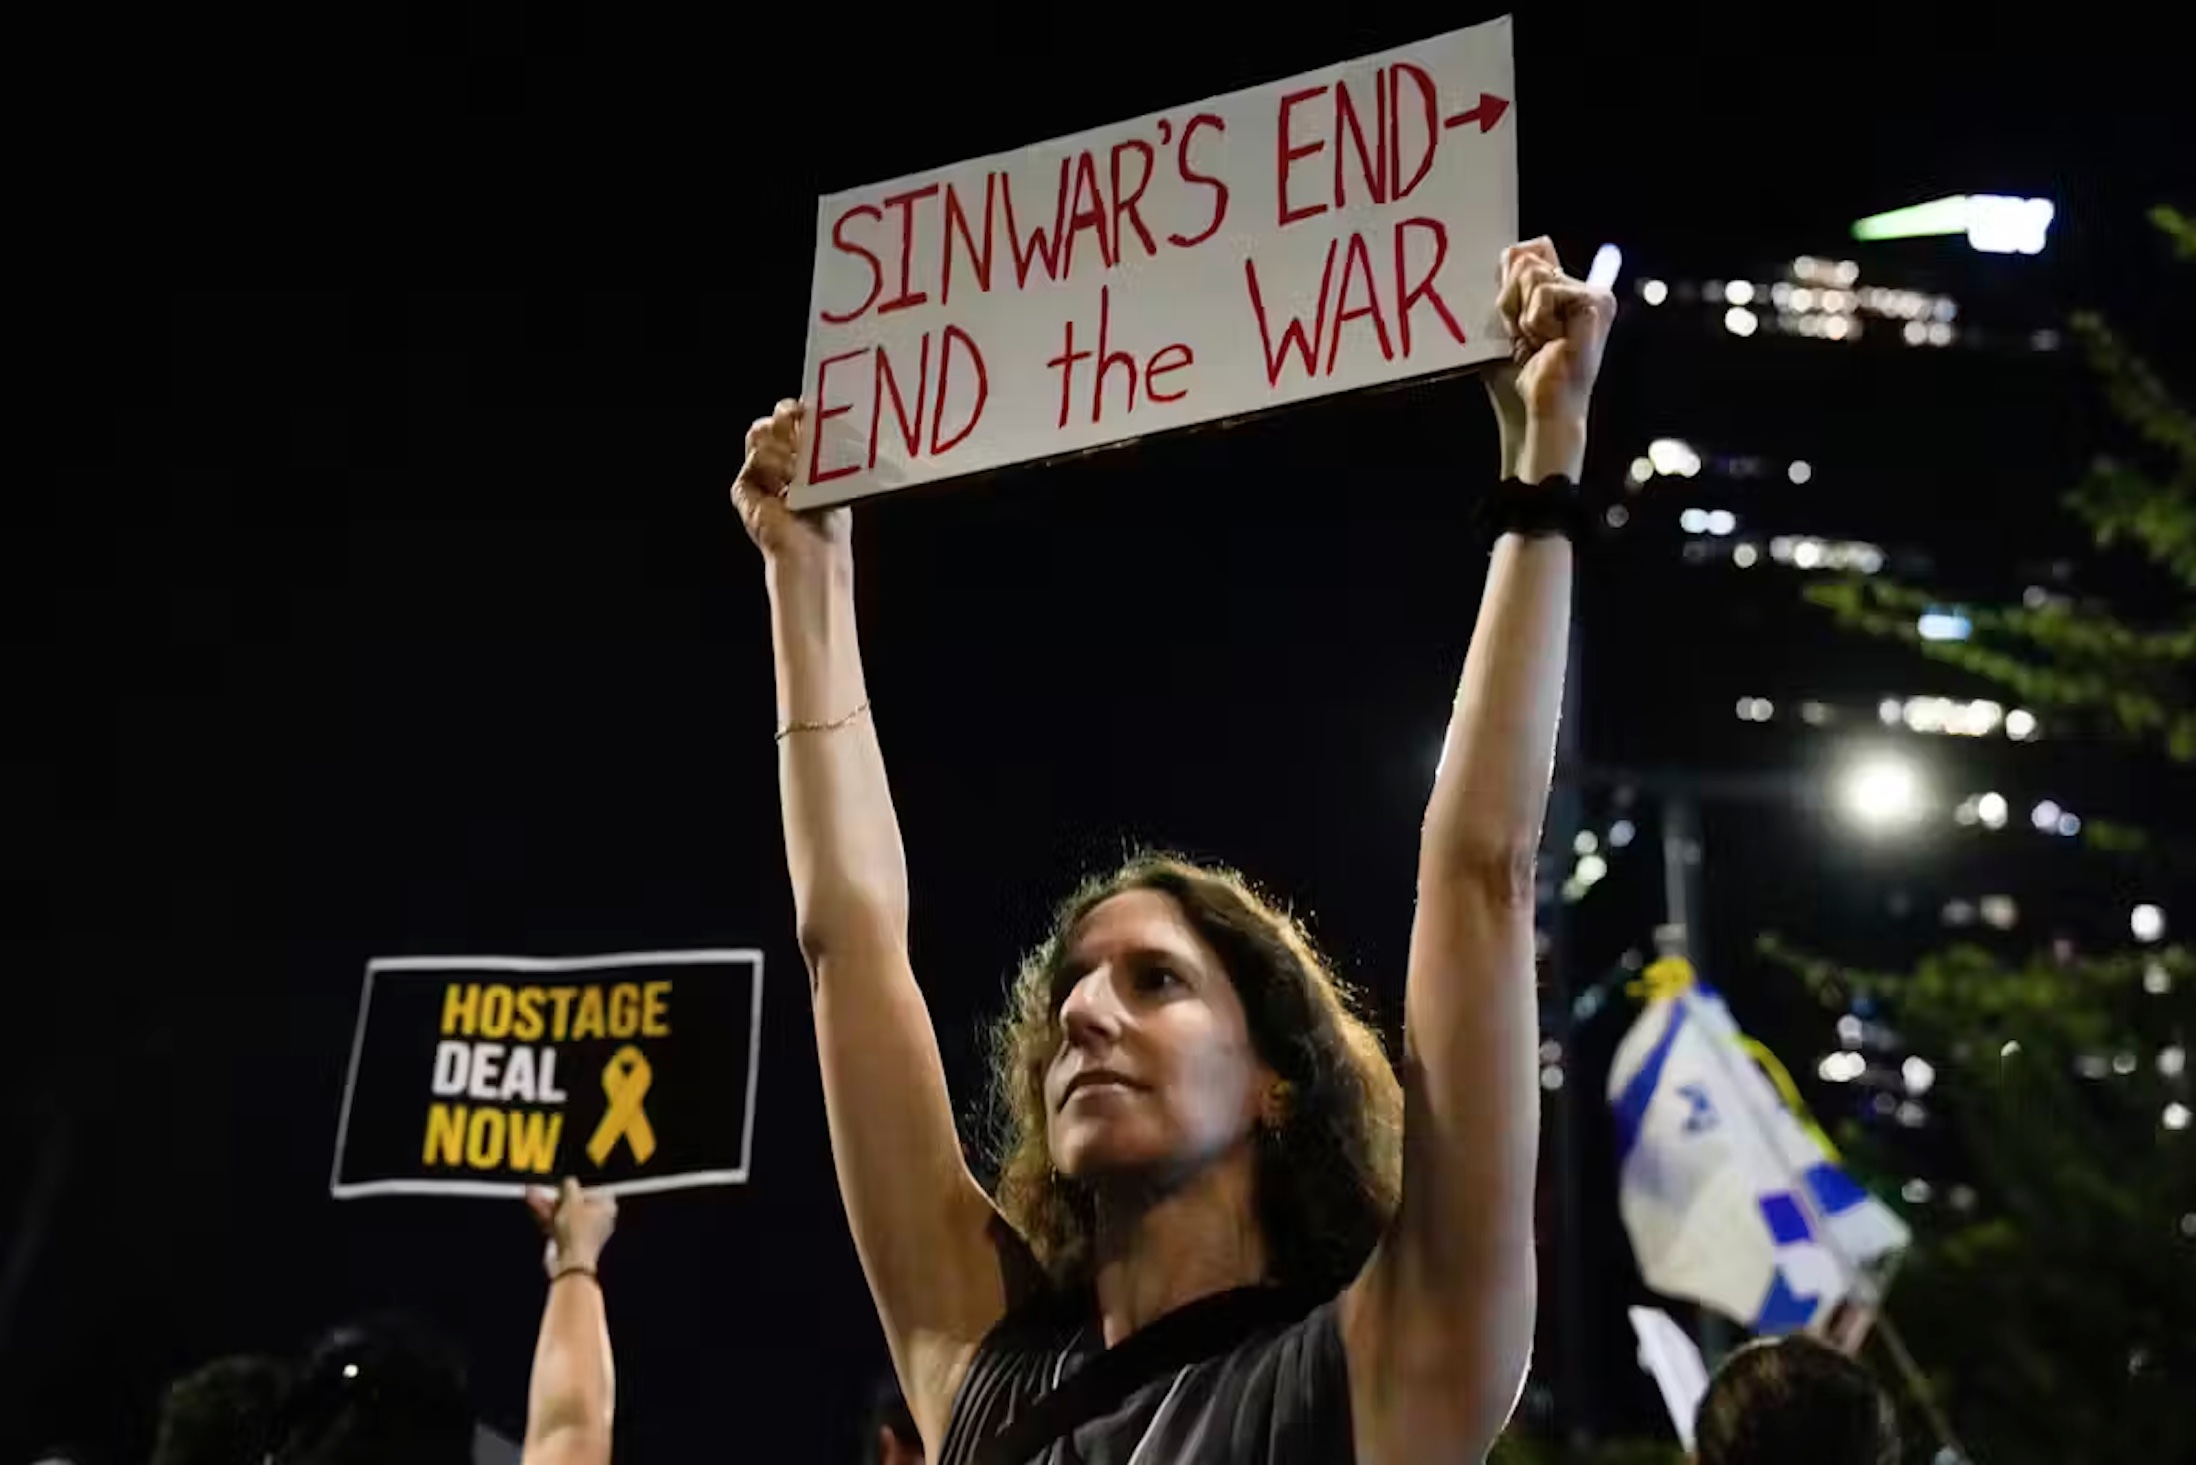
(1676, 1366)
(1728, 1200)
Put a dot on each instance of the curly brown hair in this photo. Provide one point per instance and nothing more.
(1328, 1176)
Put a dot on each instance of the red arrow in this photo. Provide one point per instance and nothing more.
(1486, 114)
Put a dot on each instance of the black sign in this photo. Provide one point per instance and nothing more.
(482, 1075)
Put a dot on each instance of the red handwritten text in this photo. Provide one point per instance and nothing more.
(888, 382)
(1106, 205)
(1164, 361)
(1408, 287)
(1378, 164)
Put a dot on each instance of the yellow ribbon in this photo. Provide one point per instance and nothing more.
(1673, 974)
(625, 1078)
(1664, 978)
(1788, 1091)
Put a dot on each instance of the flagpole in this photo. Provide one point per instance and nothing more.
(1681, 865)
(1918, 1383)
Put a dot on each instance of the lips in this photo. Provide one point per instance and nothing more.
(1093, 1078)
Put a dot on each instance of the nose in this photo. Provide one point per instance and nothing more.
(1091, 1015)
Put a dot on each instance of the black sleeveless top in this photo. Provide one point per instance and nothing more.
(1280, 1398)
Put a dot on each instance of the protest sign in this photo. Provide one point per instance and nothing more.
(1337, 230)
(482, 1075)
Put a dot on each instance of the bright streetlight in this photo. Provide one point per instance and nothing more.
(1883, 792)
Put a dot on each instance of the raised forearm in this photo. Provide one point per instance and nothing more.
(571, 1398)
(1491, 793)
(842, 837)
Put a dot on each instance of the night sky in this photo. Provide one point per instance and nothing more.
(393, 605)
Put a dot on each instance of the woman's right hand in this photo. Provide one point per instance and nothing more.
(772, 467)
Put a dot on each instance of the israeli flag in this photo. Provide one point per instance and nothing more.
(1729, 1201)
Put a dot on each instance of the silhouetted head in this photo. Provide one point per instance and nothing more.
(1174, 1021)
(225, 1413)
(379, 1392)
(1794, 1401)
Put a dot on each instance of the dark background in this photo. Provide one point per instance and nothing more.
(392, 603)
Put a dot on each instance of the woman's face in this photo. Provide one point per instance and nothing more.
(1155, 1073)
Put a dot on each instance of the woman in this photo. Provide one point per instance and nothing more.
(1199, 1125)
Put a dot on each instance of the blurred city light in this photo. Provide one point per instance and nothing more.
(1883, 792)
(1620, 834)
(1851, 1031)
(1673, 458)
(1800, 471)
(2147, 922)
(1950, 716)
(1804, 552)
(1993, 223)
(1939, 625)
(1744, 555)
(2175, 1116)
(1918, 1075)
(2172, 1059)
(1841, 1067)
(1916, 1192)
(2020, 724)
(1997, 225)
(2000, 912)
(1756, 709)
(1654, 292)
(1721, 521)
(1740, 321)
(2157, 981)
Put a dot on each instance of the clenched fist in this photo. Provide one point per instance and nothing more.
(1558, 327)
(772, 467)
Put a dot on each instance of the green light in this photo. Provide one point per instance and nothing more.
(1945, 216)
(1992, 223)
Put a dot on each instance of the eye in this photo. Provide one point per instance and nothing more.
(1158, 977)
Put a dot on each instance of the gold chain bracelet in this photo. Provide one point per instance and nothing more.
(799, 727)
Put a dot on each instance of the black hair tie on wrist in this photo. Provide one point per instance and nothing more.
(1536, 510)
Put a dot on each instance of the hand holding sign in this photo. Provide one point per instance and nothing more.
(759, 493)
(577, 1222)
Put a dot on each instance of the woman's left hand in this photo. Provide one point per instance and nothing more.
(1558, 326)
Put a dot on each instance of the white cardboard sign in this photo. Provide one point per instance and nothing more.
(1337, 230)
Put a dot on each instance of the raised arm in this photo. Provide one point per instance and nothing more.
(571, 1396)
(1439, 1327)
(923, 1226)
